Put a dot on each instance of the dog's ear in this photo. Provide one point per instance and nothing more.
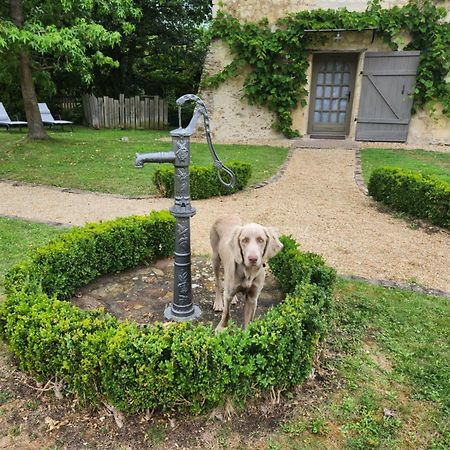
(235, 245)
(273, 245)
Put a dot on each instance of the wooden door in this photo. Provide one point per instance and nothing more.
(331, 96)
(386, 96)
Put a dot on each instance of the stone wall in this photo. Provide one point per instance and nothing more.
(255, 10)
(233, 119)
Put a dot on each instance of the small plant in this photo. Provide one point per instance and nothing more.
(32, 405)
(14, 431)
(5, 396)
(155, 434)
(294, 428)
(273, 445)
(223, 437)
(319, 426)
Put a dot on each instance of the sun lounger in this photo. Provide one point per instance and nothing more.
(7, 122)
(48, 119)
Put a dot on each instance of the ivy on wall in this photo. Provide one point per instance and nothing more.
(278, 56)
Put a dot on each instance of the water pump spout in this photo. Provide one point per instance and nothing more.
(157, 157)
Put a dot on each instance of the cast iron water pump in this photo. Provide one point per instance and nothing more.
(182, 307)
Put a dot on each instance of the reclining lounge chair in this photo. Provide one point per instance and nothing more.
(48, 119)
(5, 121)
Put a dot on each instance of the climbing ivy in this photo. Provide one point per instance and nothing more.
(277, 56)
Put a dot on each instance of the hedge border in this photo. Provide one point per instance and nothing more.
(168, 365)
(204, 182)
(419, 195)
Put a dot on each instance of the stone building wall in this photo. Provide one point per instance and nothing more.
(255, 10)
(233, 119)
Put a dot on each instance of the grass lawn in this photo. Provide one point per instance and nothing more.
(389, 351)
(18, 237)
(430, 163)
(383, 382)
(100, 161)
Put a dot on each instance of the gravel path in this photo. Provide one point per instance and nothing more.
(316, 200)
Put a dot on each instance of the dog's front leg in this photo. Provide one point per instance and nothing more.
(227, 297)
(218, 302)
(251, 302)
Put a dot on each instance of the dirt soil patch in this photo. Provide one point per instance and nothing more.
(142, 294)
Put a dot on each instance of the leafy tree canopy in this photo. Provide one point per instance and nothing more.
(106, 46)
(165, 55)
(61, 36)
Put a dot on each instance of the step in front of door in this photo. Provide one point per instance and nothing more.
(327, 136)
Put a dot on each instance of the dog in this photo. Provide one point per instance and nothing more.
(242, 250)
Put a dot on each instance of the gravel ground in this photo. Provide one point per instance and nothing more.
(316, 200)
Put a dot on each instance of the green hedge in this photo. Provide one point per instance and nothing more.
(203, 180)
(170, 365)
(76, 258)
(418, 195)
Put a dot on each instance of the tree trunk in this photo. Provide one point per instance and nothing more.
(35, 125)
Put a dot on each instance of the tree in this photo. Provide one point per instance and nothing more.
(165, 56)
(51, 36)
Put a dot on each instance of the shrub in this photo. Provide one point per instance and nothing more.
(76, 258)
(418, 195)
(292, 267)
(171, 365)
(203, 180)
(53, 339)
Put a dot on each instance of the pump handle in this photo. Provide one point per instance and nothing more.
(218, 164)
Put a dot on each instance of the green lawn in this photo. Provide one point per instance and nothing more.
(100, 161)
(385, 368)
(430, 163)
(18, 237)
(389, 354)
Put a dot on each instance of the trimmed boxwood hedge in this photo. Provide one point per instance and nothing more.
(418, 195)
(203, 180)
(76, 258)
(166, 365)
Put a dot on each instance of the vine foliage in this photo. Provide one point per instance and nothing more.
(278, 56)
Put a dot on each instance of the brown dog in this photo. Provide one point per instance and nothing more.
(243, 251)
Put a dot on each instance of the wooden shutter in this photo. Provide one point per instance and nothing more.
(386, 96)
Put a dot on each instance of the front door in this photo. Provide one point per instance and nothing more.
(333, 81)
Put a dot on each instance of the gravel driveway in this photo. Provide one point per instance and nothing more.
(316, 200)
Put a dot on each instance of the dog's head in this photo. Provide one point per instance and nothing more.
(254, 244)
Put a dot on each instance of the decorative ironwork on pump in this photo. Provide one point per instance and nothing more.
(182, 306)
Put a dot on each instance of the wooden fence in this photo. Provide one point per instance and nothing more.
(149, 112)
(66, 103)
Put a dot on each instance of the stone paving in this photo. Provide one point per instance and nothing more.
(141, 294)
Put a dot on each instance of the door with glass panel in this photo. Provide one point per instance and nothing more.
(333, 81)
